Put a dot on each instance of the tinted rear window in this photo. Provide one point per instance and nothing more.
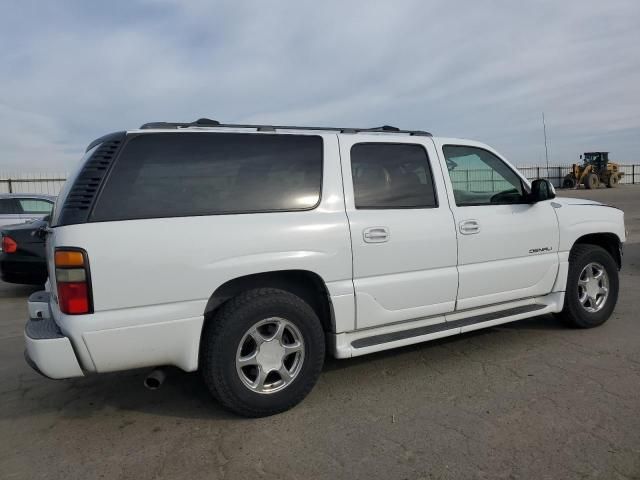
(184, 174)
(391, 175)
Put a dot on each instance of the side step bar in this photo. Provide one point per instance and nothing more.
(441, 327)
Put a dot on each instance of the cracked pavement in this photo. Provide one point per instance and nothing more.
(531, 399)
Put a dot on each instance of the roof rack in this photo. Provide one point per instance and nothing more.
(206, 122)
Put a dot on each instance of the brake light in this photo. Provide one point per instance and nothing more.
(73, 297)
(9, 245)
(72, 279)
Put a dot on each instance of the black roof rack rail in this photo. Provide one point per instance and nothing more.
(201, 122)
(206, 122)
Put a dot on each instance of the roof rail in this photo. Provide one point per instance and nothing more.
(206, 122)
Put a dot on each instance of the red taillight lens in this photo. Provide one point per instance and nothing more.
(73, 297)
(9, 245)
(72, 279)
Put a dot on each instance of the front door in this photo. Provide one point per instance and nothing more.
(402, 231)
(507, 247)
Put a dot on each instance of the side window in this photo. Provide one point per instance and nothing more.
(479, 177)
(35, 206)
(8, 206)
(187, 174)
(391, 175)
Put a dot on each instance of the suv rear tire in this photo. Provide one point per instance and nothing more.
(262, 352)
(592, 287)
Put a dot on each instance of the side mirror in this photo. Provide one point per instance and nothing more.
(541, 189)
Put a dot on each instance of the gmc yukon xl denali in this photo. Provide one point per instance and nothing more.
(251, 252)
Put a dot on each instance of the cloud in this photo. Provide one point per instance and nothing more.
(73, 71)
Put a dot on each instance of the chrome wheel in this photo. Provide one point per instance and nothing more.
(593, 287)
(270, 355)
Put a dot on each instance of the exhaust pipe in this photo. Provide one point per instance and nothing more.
(155, 379)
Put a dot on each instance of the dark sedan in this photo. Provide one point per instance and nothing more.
(23, 256)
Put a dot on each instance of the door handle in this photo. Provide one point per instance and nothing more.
(469, 227)
(376, 234)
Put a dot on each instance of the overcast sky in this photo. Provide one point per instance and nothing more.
(71, 71)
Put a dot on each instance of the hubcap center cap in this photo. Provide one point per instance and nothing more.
(270, 355)
(592, 288)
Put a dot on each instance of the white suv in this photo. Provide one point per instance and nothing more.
(247, 251)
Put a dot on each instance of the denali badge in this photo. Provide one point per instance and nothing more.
(541, 250)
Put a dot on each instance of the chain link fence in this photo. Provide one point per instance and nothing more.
(481, 180)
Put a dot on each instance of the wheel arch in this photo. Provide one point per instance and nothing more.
(306, 284)
(607, 240)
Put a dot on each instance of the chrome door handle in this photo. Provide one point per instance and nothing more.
(376, 234)
(469, 227)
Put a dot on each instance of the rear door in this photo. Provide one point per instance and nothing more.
(507, 247)
(402, 231)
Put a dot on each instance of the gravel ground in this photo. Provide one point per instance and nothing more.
(530, 399)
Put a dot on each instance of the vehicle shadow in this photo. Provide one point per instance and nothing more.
(184, 395)
(9, 290)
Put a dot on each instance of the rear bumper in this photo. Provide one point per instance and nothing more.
(48, 351)
(24, 269)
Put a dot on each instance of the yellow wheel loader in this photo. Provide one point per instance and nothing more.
(595, 171)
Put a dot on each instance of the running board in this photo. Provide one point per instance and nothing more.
(441, 327)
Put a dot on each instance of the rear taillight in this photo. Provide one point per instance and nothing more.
(9, 245)
(72, 279)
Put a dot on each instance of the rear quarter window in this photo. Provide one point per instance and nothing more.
(187, 174)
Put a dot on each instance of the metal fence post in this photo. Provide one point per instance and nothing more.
(10, 185)
(633, 174)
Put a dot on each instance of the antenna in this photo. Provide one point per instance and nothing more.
(546, 149)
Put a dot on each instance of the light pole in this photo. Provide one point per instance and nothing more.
(546, 150)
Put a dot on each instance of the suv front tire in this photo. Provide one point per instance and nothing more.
(592, 287)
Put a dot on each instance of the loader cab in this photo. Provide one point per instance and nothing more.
(598, 160)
